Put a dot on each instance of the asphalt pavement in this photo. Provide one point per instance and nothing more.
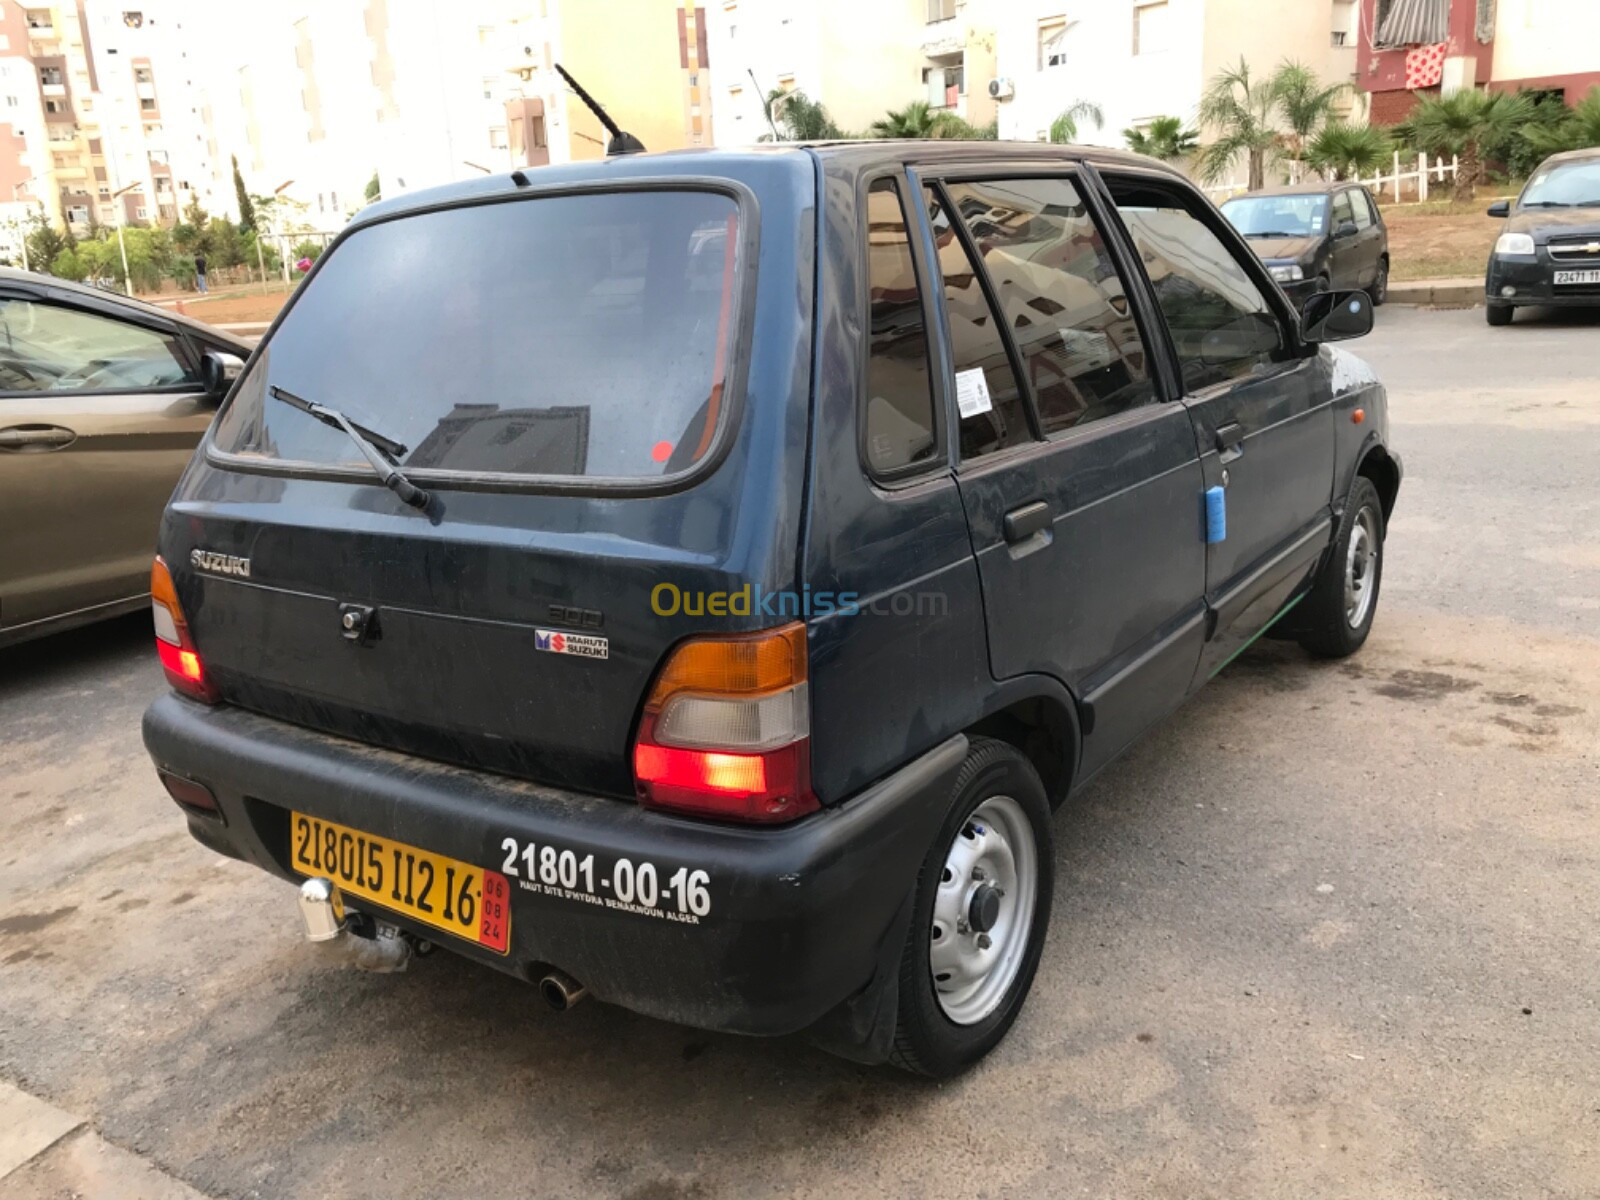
(1331, 931)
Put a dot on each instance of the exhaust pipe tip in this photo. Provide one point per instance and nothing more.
(561, 991)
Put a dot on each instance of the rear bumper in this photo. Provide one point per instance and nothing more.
(1534, 281)
(806, 920)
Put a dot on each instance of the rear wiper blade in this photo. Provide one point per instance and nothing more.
(383, 453)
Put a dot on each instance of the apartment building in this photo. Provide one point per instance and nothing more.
(1413, 48)
(860, 60)
(1142, 59)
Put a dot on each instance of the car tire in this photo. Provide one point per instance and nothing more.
(1380, 284)
(1344, 599)
(1499, 314)
(979, 915)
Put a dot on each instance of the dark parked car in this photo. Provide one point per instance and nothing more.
(102, 402)
(1317, 236)
(701, 594)
(1549, 253)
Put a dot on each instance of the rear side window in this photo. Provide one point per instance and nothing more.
(1342, 212)
(900, 425)
(1063, 301)
(987, 392)
(1221, 324)
(578, 336)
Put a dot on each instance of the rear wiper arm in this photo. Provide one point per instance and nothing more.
(383, 453)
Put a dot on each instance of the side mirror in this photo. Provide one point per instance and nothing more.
(1347, 229)
(1336, 316)
(218, 370)
(1500, 208)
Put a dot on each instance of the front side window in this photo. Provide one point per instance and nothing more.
(988, 396)
(47, 348)
(1062, 300)
(900, 425)
(574, 336)
(1222, 326)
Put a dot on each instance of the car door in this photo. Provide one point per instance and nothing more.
(1347, 257)
(98, 416)
(1078, 471)
(1371, 240)
(1259, 406)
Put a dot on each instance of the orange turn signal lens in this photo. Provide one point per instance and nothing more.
(738, 665)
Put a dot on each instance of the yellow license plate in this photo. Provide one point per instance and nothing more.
(443, 893)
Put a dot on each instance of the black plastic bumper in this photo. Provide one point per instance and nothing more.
(1534, 281)
(806, 920)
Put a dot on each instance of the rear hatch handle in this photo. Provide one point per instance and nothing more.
(381, 452)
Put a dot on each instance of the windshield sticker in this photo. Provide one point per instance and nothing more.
(584, 645)
(972, 393)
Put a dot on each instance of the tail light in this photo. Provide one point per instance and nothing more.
(726, 729)
(179, 657)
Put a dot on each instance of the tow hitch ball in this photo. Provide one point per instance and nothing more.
(369, 945)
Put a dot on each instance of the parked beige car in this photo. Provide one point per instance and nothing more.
(102, 401)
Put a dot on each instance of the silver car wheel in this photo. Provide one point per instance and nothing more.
(1361, 568)
(983, 911)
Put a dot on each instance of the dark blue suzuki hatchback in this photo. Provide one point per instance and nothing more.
(694, 579)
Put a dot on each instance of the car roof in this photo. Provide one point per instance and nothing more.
(1571, 156)
(111, 302)
(716, 162)
(1314, 187)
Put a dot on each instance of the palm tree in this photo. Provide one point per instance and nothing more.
(1241, 110)
(917, 120)
(1304, 104)
(1461, 122)
(800, 118)
(1579, 130)
(1065, 127)
(1165, 139)
(1349, 151)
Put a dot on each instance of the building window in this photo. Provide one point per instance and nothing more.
(333, 201)
(694, 79)
(497, 138)
(142, 75)
(786, 82)
(147, 104)
(1150, 24)
(945, 85)
(1344, 22)
(488, 87)
(78, 214)
(1052, 43)
(50, 76)
(55, 106)
(941, 10)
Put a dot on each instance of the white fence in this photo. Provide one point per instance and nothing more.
(1398, 186)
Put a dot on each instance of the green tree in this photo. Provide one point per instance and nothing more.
(1242, 111)
(1064, 128)
(374, 189)
(45, 241)
(1461, 123)
(100, 258)
(67, 265)
(1578, 129)
(1349, 151)
(915, 120)
(1304, 105)
(800, 118)
(224, 243)
(1165, 139)
(247, 210)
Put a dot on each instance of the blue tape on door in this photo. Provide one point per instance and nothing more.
(1216, 515)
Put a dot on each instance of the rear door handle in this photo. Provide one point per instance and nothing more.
(1230, 441)
(36, 437)
(1022, 523)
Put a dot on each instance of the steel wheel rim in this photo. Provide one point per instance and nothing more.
(994, 849)
(1360, 568)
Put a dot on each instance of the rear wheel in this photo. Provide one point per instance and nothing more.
(1499, 314)
(1380, 284)
(1344, 599)
(979, 915)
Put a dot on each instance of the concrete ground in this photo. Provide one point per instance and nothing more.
(1330, 931)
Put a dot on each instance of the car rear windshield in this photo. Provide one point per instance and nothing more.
(558, 336)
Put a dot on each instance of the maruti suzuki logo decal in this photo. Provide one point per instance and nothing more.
(219, 564)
